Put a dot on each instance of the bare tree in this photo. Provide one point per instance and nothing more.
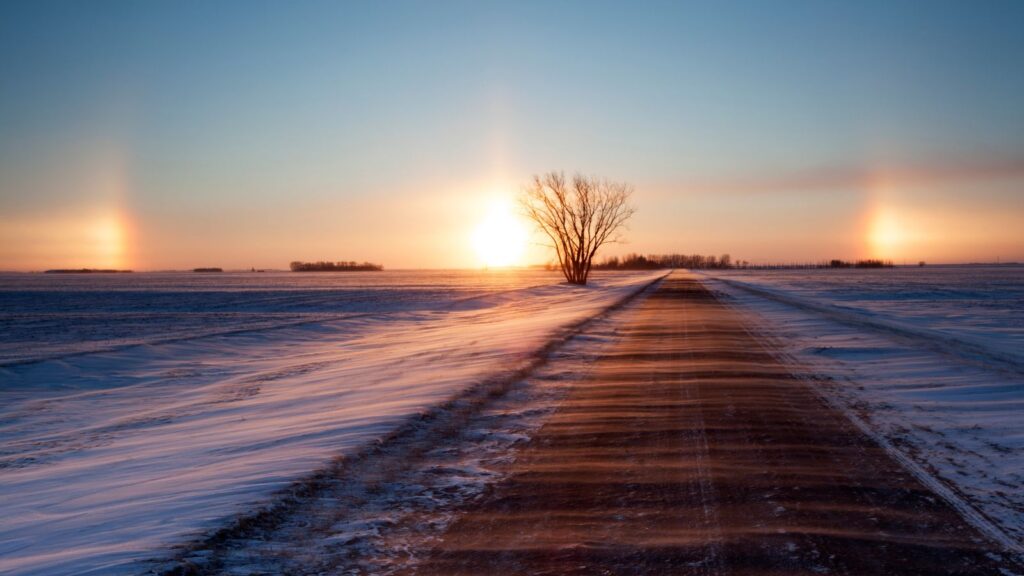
(578, 217)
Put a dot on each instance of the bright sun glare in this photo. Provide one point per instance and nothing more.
(500, 239)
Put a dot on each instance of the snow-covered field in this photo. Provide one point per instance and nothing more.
(138, 410)
(930, 361)
(49, 316)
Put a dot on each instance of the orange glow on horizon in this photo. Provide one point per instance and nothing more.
(107, 241)
(894, 230)
(96, 240)
(886, 235)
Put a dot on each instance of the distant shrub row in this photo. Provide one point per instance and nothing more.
(654, 261)
(85, 271)
(860, 264)
(698, 262)
(869, 263)
(324, 266)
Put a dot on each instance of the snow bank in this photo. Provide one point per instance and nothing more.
(944, 391)
(981, 307)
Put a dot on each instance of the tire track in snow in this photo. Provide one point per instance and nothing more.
(353, 490)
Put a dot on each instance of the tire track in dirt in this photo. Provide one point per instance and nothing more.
(345, 518)
(684, 448)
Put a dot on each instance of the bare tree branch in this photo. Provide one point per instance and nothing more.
(578, 217)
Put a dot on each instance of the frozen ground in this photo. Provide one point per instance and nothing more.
(976, 305)
(383, 513)
(138, 411)
(686, 446)
(46, 316)
(928, 360)
(112, 451)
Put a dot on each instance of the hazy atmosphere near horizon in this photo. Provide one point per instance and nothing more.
(249, 134)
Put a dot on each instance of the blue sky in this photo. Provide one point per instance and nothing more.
(255, 133)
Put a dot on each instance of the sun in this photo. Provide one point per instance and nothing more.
(500, 238)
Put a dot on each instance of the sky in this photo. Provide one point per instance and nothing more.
(170, 135)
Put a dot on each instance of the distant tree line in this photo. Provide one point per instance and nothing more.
(324, 266)
(868, 263)
(860, 264)
(212, 269)
(85, 271)
(654, 261)
(702, 262)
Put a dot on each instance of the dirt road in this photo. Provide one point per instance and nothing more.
(658, 439)
(691, 450)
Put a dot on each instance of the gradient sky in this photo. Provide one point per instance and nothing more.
(159, 135)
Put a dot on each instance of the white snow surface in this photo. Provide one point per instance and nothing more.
(929, 361)
(115, 451)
